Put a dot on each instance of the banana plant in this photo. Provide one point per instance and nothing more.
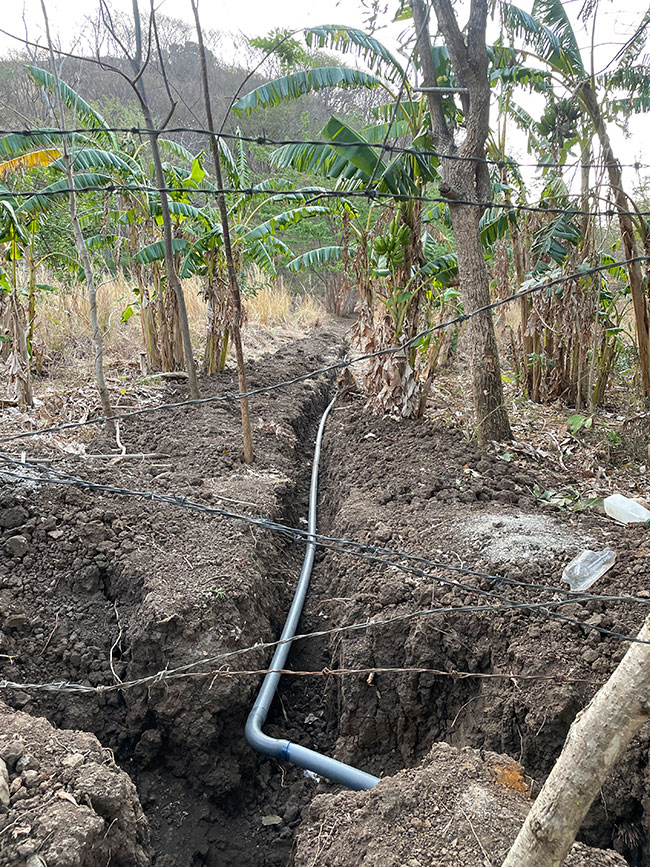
(255, 238)
(15, 327)
(621, 89)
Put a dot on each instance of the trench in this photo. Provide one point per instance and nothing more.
(210, 800)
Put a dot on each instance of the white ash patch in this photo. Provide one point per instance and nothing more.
(504, 538)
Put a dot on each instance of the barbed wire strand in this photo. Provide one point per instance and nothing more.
(263, 139)
(329, 368)
(303, 535)
(183, 670)
(319, 193)
(333, 543)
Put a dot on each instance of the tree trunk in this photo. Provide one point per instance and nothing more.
(491, 417)
(19, 361)
(170, 266)
(596, 740)
(82, 250)
(635, 274)
(235, 326)
(468, 180)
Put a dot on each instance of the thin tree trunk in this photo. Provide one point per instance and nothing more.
(170, 266)
(635, 274)
(82, 250)
(19, 361)
(596, 740)
(468, 180)
(232, 273)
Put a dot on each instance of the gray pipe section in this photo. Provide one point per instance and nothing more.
(322, 765)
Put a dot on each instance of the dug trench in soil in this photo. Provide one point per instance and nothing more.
(96, 588)
(424, 489)
(92, 579)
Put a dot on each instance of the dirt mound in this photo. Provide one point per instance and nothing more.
(459, 807)
(511, 682)
(63, 800)
(96, 588)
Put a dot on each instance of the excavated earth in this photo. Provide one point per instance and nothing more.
(97, 588)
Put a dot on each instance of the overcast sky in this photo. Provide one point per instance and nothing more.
(254, 17)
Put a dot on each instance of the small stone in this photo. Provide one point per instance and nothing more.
(31, 779)
(20, 793)
(35, 861)
(73, 760)
(382, 532)
(27, 763)
(12, 752)
(26, 849)
(272, 819)
(55, 534)
(4, 785)
(17, 783)
(13, 517)
(17, 546)
(417, 823)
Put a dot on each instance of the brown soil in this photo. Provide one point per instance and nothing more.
(96, 587)
(89, 581)
(459, 807)
(424, 489)
(69, 802)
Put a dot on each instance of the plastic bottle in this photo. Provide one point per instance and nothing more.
(585, 569)
(625, 510)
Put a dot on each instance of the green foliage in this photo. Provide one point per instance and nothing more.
(349, 39)
(316, 258)
(83, 112)
(566, 499)
(280, 43)
(299, 83)
(578, 421)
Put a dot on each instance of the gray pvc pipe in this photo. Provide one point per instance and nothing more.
(322, 765)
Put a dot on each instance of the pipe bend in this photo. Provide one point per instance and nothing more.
(323, 766)
(256, 738)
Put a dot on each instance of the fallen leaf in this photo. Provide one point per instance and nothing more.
(66, 796)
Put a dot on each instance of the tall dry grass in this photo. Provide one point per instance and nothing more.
(270, 303)
(62, 332)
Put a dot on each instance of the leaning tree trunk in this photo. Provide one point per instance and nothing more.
(635, 274)
(466, 179)
(596, 740)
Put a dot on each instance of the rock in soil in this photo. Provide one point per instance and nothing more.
(459, 807)
(70, 805)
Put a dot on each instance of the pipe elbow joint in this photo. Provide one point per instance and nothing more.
(256, 738)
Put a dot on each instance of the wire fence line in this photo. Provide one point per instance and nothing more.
(352, 548)
(267, 140)
(225, 673)
(321, 193)
(190, 668)
(328, 368)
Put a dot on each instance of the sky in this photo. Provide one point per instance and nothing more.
(614, 23)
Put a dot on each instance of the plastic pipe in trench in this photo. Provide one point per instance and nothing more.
(322, 765)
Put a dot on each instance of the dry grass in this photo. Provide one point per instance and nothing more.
(274, 306)
(62, 334)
